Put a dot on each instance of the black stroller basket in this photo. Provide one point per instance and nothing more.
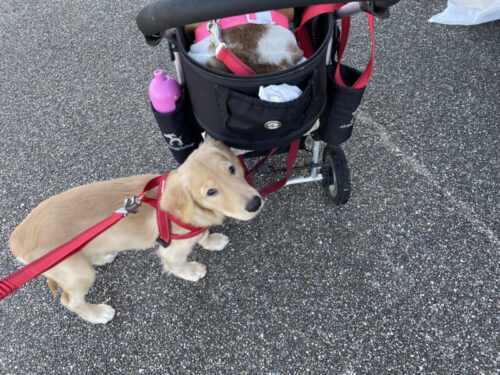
(227, 106)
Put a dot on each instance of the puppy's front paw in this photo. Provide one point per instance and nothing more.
(191, 271)
(215, 241)
(102, 314)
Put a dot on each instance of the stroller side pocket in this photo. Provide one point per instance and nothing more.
(179, 128)
(337, 120)
(346, 87)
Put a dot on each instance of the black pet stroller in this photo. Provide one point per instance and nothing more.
(226, 106)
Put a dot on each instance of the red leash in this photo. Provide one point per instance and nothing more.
(12, 282)
(275, 186)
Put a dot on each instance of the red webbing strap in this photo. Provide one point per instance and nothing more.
(161, 217)
(263, 160)
(248, 177)
(11, 283)
(233, 62)
(151, 184)
(344, 35)
(194, 231)
(248, 174)
(164, 218)
(275, 186)
(306, 45)
(290, 161)
(301, 33)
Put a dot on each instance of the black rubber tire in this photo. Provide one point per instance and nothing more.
(336, 175)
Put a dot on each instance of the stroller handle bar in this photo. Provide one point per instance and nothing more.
(162, 15)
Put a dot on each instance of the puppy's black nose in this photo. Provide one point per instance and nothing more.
(254, 204)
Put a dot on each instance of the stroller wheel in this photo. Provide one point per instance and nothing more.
(336, 175)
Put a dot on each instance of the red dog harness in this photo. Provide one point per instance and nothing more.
(11, 283)
(163, 218)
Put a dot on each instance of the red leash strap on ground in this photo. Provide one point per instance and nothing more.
(11, 283)
(248, 178)
(248, 174)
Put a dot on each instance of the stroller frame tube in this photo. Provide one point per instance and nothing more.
(348, 10)
(178, 68)
(314, 176)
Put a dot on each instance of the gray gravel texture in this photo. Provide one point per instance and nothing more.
(401, 280)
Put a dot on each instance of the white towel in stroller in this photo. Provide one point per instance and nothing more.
(279, 93)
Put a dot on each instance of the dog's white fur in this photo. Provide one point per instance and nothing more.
(61, 217)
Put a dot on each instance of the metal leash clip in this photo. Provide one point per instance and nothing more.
(130, 206)
(215, 32)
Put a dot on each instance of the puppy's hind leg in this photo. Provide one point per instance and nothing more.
(75, 276)
(214, 241)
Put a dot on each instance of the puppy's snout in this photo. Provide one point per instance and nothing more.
(254, 204)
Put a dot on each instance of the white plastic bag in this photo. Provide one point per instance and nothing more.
(468, 12)
(279, 93)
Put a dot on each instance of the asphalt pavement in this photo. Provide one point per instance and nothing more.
(401, 280)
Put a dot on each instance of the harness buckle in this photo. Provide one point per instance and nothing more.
(215, 32)
(162, 242)
(130, 206)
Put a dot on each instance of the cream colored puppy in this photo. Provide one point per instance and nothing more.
(207, 187)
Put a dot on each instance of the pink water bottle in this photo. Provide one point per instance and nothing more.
(163, 92)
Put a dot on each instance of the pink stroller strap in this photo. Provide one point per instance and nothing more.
(233, 62)
(271, 16)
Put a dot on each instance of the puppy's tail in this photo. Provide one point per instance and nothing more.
(53, 286)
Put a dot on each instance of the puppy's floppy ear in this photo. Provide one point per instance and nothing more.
(215, 144)
(176, 199)
(226, 150)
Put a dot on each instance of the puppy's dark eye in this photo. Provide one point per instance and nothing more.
(232, 170)
(211, 192)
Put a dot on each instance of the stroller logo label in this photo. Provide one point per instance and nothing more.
(348, 125)
(175, 143)
(272, 125)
